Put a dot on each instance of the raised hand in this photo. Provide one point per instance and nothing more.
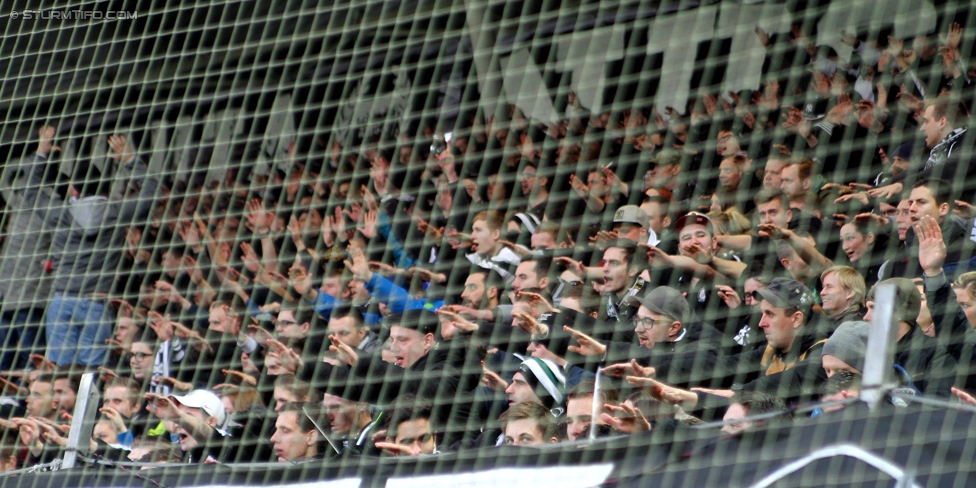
(632, 368)
(729, 296)
(121, 148)
(258, 216)
(176, 384)
(299, 278)
(359, 266)
(537, 300)
(931, 247)
(368, 227)
(588, 346)
(343, 351)
(240, 377)
(572, 264)
(45, 140)
(491, 379)
(428, 275)
(395, 449)
(579, 187)
(628, 420)
(250, 258)
(260, 334)
(886, 192)
(529, 324)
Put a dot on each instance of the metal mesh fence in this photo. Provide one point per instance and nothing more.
(487, 242)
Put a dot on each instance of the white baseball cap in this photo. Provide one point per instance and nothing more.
(208, 401)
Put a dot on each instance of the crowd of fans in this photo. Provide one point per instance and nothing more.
(390, 298)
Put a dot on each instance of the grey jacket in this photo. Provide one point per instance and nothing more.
(89, 237)
(24, 283)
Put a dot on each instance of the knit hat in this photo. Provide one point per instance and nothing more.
(546, 380)
(849, 343)
(666, 301)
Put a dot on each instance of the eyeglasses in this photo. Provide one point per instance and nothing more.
(646, 323)
(139, 356)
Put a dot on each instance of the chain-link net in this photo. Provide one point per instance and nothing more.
(480, 242)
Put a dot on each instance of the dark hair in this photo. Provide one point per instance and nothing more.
(767, 195)
(423, 321)
(311, 417)
(941, 190)
(409, 409)
(585, 388)
(346, 310)
(631, 256)
(542, 264)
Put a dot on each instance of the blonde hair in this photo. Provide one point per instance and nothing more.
(730, 222)
(966, 281)
(849, 279)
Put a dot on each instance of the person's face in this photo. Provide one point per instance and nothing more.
(597, 183)
(729, 174)
(282, 396)
(528, 180)
(855, 244)
(903, 219)
(524, 432)
(285, 326)
(125, 330)
(579, 417)
(474, 290)
(627, 230)
(409, 345)
(835, 298)
(727, 143)
(290, 441)
(444, 198)
(734, 412)
(651, 327)
(750, 287)
(832, 366)
(40, 400)
(416, 434)
(616, 273)
(921, 202)
(64, 395)
(542, 240)
(104, 432)
(772, 176)
(526, 277)
(520, 391)
(346, 330)
(332, 286)
(484, 237)
(170, 261)
(141, 360)
(967, 304)
(221, 320)
(657, 219)
(695, 235)
(899, 165)
(772, 212)
(342, 414)
(780, 328)
(117, 397)
(934, 129)
(790, 183)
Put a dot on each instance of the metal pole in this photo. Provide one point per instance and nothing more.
(82, 420)
(881, 347)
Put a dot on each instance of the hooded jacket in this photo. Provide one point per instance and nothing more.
(90, 233)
